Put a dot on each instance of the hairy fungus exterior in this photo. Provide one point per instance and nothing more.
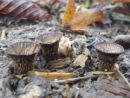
(23, 54)
(49, 43)
(107, 55)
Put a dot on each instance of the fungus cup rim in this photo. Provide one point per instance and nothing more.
(10, 49)
(42, 39)
(99, 49)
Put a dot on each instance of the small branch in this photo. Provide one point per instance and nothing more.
(73, 79)
(102, 73)
(68, 95)
(77, 94)
(89, 75)
(52, 75)
(123, 77)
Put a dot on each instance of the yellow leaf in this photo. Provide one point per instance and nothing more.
(52, 75)
(69, 11)
(84, 18)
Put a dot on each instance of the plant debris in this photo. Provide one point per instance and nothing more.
(24, 9)
(83, 54)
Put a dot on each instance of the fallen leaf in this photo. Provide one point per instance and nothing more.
(78, 20)
(69, 11)
(24, 9)
(84, 18)
(60, 63)
(52, 75)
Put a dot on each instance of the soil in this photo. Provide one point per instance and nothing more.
(24, 86)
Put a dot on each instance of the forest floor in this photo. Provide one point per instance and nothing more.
(94, 86)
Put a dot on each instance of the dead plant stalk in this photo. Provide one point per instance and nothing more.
(122, 76)
(89, 75)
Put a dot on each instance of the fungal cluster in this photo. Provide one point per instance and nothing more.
(50, 46)
(23, 53)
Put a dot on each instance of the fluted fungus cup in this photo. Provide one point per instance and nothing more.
(107, 54)
(49, 45)
(22, 54)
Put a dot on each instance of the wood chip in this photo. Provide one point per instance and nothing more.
(60, 63)
(3, 36)
(81, 60)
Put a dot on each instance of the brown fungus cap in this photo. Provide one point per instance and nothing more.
(109, 48)
(23, 48)
(49, 38)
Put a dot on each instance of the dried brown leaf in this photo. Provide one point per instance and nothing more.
(84, 18)
(69, 11)
(23, 9)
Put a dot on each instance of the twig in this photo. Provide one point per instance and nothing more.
(123, 77)
(89, 75)
(73, 79)
(77, 94)
(102, 73)
(68, 95)
(52, 75)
